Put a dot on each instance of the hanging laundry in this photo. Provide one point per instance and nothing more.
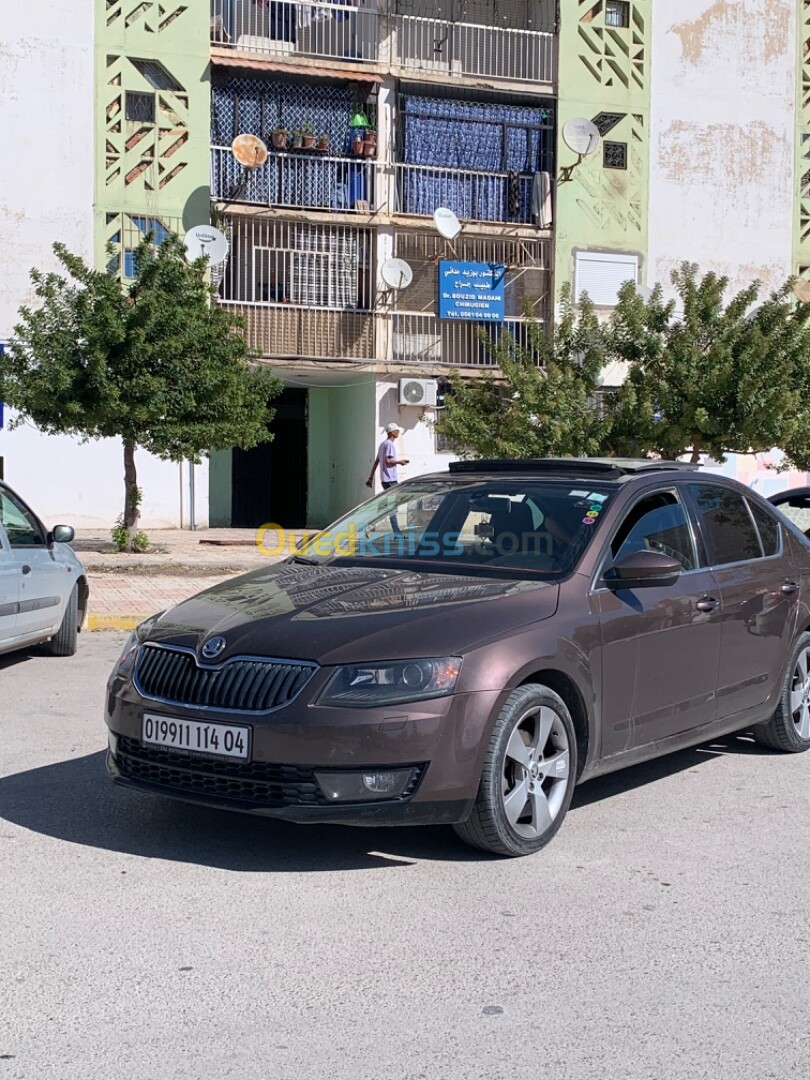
(541, 200)
(513, 187)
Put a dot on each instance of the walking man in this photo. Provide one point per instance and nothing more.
(387, 459)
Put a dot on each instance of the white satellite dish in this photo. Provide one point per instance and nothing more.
(396, 273)
(208, 241)
(581, 135)
(446, 222)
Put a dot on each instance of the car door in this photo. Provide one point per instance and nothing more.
(758, 590)
(43, 582)
(660, 645)
(9, 590)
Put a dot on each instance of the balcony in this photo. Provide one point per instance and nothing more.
(358, 33)
(304, 181)
(297, 28)
(436, 46)
(471, 195)
(281, 331)
(425, 339)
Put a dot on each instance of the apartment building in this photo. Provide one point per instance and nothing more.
(374, 114)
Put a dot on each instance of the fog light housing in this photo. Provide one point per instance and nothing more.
(364, 785)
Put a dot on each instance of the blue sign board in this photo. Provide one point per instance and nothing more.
(471, 290)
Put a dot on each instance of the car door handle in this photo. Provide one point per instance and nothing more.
(707, 603)
(789, 588)
(26, 569)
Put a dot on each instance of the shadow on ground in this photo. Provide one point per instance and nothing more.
(74, 801)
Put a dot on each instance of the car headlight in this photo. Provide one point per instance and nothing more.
(126, 661)
(391, 682)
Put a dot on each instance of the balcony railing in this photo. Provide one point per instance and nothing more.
(281, 330)
(297, 28)
(308, 180)
(491, 52)
(425, 339)
(358, 33)
(472, 196)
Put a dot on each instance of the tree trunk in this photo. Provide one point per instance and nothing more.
(131, 494)
(695, 459)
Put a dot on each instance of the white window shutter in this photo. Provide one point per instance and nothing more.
(601, 275)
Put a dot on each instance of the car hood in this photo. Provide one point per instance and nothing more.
(338, 614)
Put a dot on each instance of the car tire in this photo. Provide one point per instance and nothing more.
(64, 641)
(789, 727)
(528, 776)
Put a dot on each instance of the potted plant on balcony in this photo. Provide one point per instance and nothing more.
(357, 143)
(370, 144)
(280, 135)
(308, 132)
(323, 141)
(297, 139)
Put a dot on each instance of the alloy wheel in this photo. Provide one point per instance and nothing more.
(800, 695)
(535, 771)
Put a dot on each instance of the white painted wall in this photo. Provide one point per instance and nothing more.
(722, 138)
(47, 104)
(417, 441)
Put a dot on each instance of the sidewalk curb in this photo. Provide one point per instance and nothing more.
(114, 622)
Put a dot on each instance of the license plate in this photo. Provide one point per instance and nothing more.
(196, 737)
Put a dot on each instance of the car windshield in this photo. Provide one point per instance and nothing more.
(525, 525)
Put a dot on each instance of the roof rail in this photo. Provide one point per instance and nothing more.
(604, 468)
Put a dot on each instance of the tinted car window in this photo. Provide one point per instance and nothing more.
(727, 528)
(656, 523)
(768, 528)
(22, 528)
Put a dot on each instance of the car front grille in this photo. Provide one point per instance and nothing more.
(240, 685)
(254, 783)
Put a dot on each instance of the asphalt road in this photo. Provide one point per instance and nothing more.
(665, 933)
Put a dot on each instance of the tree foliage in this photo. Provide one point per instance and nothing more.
(539, 403)
(709, 376)
(156, 364)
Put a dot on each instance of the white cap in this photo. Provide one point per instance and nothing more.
(392, 427)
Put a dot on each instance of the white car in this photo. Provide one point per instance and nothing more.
(43, 585)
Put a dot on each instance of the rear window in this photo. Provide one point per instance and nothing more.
(726, 524)
(768, 528)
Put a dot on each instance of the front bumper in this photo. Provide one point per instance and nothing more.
(443, 739)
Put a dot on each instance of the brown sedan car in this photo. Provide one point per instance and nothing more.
(468, 646)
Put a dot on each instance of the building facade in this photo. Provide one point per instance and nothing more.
(374, 114)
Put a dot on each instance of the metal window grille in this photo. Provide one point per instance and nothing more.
(140, 107)
(617, 13)
(304, 265)
(614, 155)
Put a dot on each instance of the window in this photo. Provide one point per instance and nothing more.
(614, 155)
(22, 528)
(601, 275)
(140, 107)
(617, 13)
(726, 524)
(768, 528)
(656, 523)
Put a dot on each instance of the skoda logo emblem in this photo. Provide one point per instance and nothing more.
(213, 647)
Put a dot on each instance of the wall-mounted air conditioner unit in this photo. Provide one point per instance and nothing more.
(417, 392)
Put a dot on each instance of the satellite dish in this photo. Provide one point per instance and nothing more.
(581, 135)
(208, 241)
(446, 222)
(801, 290)
(249, 150)
(396, 273)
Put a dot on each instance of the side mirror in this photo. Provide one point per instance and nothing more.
(61, 534)
(643, 570)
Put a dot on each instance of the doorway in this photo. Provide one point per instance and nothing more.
(269, 482)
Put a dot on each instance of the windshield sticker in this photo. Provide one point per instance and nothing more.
(579, 494)
(596, 497)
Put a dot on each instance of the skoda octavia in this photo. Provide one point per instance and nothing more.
(468, 646)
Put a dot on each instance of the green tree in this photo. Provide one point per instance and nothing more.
(540, 402)
(709, 376)
(156, 364)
